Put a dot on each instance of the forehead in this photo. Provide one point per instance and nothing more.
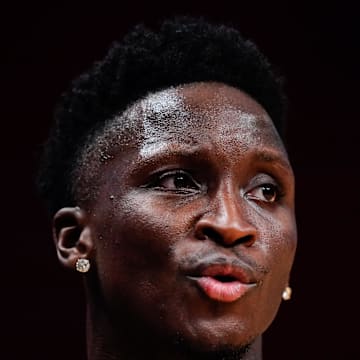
(203, 113)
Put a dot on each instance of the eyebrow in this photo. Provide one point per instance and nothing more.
(165, 150)
(156, 150)
(271, 157)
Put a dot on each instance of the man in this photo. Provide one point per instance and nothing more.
(172, 191)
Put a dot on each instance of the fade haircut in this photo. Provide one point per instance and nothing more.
(182, 51)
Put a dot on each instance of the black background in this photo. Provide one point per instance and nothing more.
(316, 48)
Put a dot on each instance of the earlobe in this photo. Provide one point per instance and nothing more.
(72, 236)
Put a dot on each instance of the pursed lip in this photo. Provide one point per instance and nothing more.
(223, 281)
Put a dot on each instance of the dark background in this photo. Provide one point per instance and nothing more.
(316, 48)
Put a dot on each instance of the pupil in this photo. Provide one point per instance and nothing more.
(180, 181)
(269, 192)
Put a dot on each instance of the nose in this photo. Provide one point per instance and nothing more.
(226, 224)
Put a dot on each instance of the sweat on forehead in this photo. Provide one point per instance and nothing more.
(179, 108)
(178, 111)
(174, 109)
(173, 113)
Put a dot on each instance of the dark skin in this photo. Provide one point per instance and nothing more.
(205, 183)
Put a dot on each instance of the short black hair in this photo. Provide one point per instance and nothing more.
(183, 50)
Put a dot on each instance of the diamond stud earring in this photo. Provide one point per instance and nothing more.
(286, 295)
(82, 265)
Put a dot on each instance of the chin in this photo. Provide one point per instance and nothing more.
(213, 342)
(210, 351)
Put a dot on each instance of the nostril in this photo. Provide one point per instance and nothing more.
(211, 234)
(247, 240)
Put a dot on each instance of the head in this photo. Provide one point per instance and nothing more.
(167, 170)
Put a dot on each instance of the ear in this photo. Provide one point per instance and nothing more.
(72, 236)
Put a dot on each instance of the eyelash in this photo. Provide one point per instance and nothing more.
(155, 183)
(157, 179)
(278, 193)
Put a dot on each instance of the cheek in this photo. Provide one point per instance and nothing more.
(130, 253)
(275, 248)
(281, 247)
(283, 241)
(136, 265)
(277, 244)
(136, 237)
(277, 235)
(134, 234)
(279, 240)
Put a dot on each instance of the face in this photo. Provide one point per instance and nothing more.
(194, 218)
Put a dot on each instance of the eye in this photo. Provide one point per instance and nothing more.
(268, 193)
(177, 180)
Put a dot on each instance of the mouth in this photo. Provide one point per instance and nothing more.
(223, 282)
